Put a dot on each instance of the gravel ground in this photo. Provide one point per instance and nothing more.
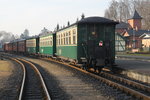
(10, 78)
(142, 67)
(65, 83)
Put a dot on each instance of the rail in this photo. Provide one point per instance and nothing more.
(19, 61)
(121, 87)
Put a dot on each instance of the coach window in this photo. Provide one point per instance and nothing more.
(57, 39)
(47, 41)
(74, 36)
(66, 37)
(44, 42)
(69, 37)
(62, 39)
(51, 40)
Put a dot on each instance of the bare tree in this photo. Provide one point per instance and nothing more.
(124, 9)
(44, 31)
(112, 10)
(143, 8)
(6, 37)
(25, 34)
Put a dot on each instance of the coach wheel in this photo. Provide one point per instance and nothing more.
(83, 66)
(86, 67)
(99, 70)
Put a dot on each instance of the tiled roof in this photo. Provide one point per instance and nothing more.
(92, 20)
(136, 15)
(145, 36)
(137, 33)
(122, 25)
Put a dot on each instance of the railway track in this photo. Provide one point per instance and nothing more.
(33, 86)
(135, 89)
(130, 87)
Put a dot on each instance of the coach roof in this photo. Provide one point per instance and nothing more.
(97, 20)
(94, 19)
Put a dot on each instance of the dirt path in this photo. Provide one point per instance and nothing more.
(10, 78)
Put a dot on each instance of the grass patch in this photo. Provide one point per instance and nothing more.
(5, 66)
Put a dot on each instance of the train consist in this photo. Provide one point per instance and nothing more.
(89, 42)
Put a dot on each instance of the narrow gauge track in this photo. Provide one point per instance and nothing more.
(33, 86)
(130, 87)
(136, 89)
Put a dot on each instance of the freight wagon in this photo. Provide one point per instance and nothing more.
(10, 47)
(5, 47)
(15, 46)
(22, 46)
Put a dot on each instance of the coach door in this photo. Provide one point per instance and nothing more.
(108, 43)
(96, 49)
(91, 48)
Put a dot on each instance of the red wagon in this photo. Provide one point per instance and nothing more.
(22, 46)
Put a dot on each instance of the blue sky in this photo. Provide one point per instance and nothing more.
(18, 15)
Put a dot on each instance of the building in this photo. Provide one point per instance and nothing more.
(119, 43)
(132, 32)
(135, 21)
(122, 27)
(145, 42)
(133, 40)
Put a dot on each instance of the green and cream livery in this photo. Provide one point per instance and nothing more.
(31, 45)
(46, 45)
(66, 42)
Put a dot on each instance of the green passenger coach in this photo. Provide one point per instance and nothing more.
(32, 45)
(66, 42)
(47, 44)
(90, 42)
